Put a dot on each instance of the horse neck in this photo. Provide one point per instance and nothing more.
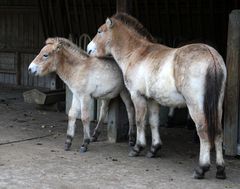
(123, 45)
(67, 66)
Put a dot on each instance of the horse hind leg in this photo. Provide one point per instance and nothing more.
(103, 112)
(154, 124)
(205, 145)
(131, 116)
(204, 156)
(219, 156)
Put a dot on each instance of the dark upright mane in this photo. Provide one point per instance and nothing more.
(135, 25)
(68, 45)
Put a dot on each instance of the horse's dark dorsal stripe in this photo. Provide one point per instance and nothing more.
(134, 24)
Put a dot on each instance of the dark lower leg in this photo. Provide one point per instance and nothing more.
(135, 151)
(95, 135)
(221, 174)
(153, 150)
(68, 143)
(204, 156)
(132, 135)
(70, 132)
(140, 144)
(84, 146)
(154, 124)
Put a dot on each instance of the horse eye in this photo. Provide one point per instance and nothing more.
(99, 31)
(45, 55)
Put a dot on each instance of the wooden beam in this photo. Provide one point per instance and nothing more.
(231, 105)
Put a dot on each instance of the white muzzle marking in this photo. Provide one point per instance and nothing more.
(33, 69)
(91, 48)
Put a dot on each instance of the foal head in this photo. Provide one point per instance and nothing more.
(102, 42)
(46, 61)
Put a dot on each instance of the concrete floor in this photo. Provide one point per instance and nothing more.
(42, 163)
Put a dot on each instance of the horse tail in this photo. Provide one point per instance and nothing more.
(213, 87)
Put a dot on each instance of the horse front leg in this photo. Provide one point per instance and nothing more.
(154, 109)
(131, 116)
(72, 116)
(140, 105)
(85, 117)
(103, 112)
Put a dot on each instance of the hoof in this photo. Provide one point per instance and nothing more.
(83, 149)
(133, 153)
(199, 172)
(220, 172)
(150, 154)
(67, 146)
(153, 151)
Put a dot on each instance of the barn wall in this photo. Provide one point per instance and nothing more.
(178, 22)
(21, 37)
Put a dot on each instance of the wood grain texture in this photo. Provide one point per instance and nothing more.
(231, 105)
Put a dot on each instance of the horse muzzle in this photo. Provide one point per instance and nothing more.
(32, 69)
(91, 48)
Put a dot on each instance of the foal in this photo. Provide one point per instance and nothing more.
(87, 77)
(193, 76)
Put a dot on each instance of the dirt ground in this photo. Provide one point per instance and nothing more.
(43, 163)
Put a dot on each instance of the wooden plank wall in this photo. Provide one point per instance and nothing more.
(21, 36)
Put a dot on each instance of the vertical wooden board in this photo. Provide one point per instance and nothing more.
(117, 121)
(231, 115)
(113, 121)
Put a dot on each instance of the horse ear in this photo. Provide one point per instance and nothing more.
(58, 46)
(109, 22)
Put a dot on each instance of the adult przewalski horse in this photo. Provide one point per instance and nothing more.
(193, 75)
(87, 77)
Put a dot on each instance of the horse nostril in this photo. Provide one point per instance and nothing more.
(89, 52)
(29, 70)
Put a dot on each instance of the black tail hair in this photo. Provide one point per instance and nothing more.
(213, 87)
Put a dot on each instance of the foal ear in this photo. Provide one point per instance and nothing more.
(109, 22)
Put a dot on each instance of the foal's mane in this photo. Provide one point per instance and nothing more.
(67, 44)
(135, 25)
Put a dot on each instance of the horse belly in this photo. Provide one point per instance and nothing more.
(170, 98)
(162, 88)
(107, 89)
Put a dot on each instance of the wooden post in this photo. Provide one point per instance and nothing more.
(117, 116)
(231, 105)
(117, 121)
